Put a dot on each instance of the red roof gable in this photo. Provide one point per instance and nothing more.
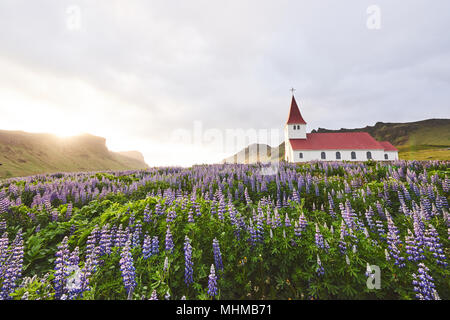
(388, 146)
(295, 116)
(334, 141)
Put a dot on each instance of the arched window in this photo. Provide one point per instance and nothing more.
(369, 155)
(295, 127)
(338, 155)
(386, 157)
(300, 155)
(322, 155)
(353, 155)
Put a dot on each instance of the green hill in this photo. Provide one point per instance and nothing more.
(23, 154)
(421, 140)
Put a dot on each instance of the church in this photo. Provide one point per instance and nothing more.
(349, 146)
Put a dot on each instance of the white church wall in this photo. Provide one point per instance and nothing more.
(297, 133)
(392, 155)
(288, 154)
(310, 155)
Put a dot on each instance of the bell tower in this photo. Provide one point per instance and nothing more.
(295, 127)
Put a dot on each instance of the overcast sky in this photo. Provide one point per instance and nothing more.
(138, 72)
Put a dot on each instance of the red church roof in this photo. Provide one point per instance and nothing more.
(338, 140)
(295, 116)
(388, 146)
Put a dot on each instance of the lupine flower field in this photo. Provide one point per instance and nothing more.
(310, 231)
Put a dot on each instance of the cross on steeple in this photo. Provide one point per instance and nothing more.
(292, 90)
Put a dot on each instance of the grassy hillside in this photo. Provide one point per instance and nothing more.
(421, 140)
(24, 154)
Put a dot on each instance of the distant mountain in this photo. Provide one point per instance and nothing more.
(421, 140)
(133, 155)
(23, 154)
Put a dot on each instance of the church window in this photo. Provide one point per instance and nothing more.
(353, 155)
(322, 155)
(369, 155)
(338, 155)
(386, 157)
(300, 155)
(295, 127)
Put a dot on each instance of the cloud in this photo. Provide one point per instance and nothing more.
(135, 71)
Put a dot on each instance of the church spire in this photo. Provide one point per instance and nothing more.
(295, 116)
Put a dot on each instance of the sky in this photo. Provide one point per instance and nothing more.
(189, 82)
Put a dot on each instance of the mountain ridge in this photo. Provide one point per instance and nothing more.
(23, 153)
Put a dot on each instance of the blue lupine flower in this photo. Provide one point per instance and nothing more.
(217, 255)
(147, 247)
(424, 284)
(154, 296)
(414, 251)
(169, 240)
(61, 269)
(394, 242)
(11, 268)
(319, 270)
(188, 270)
(432, 242)
(127, 269)
(212, 283)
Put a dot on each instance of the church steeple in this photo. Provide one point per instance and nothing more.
(295, 127)
(295, 117)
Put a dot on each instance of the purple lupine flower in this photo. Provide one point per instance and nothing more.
(217, 255)
(247, 197)
(169, 240)
(320, 243)
(147, 214)
(54, 215)
(259, 228)
(424, 284)
(432, 242)
(69, 211)
(413, 249)
(4, 241)
(105, 241)
(188, 264)
(131, 220)
(154, 296)
(62, 263)
(127, 269)
(276, 219)
(369, 216)
(394, 242)
(171, 215)
(190, 216)
(302, 222)
(74, 258)
(380, 229)
(147, 247)
(2, 225)
(287, 221)
(118, 237)
(212, 283)
(136, 238)
(155, 245)
(221, 210)
(11, 268)
(342, 244)
(252, 231)
(91, 242)
(319, 270)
